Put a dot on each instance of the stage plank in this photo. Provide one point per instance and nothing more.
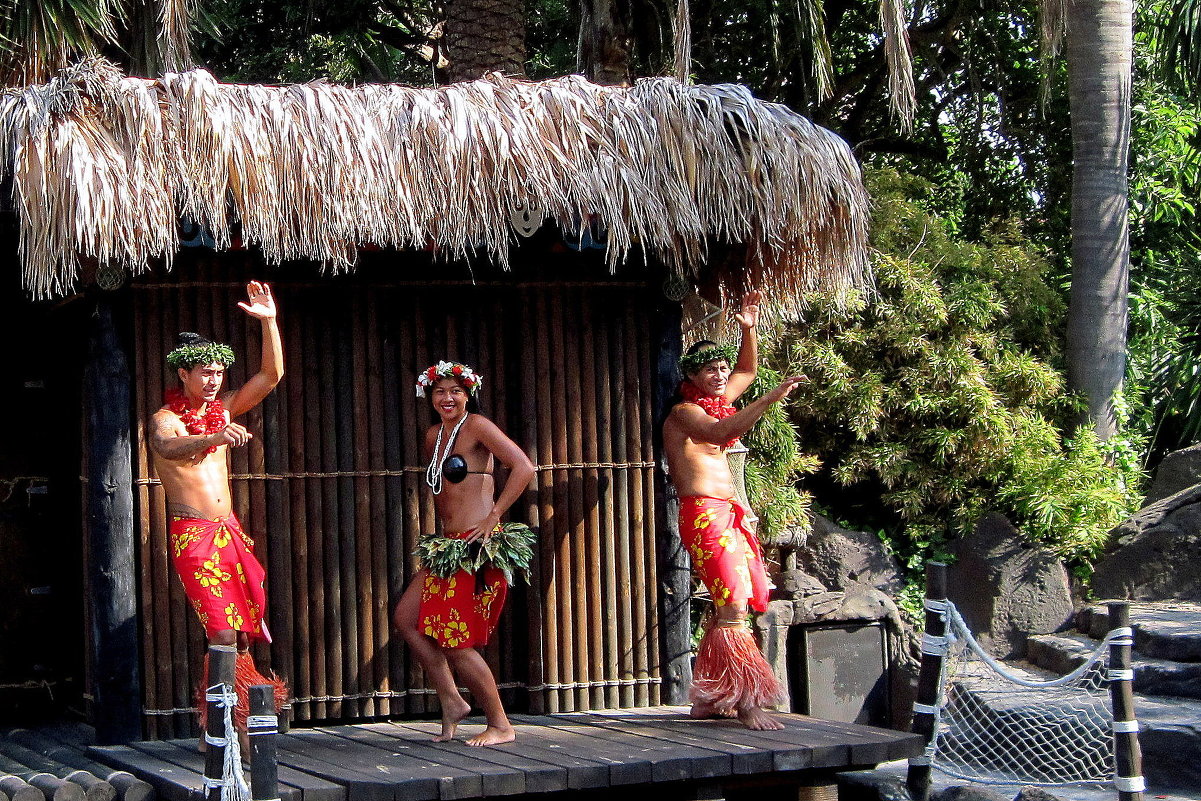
(616, 749)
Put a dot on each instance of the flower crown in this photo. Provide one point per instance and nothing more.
(693, 361)
(188, 356)
(471, 379)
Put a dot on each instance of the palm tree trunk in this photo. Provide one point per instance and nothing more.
(483, 36)
(1099, 54)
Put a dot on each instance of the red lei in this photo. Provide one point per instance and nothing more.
(212, 422)
(716, 406)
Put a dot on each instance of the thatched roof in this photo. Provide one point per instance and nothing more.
(103, 167)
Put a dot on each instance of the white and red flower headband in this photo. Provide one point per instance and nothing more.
(471, 380)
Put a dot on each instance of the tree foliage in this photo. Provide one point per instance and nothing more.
(937, 398)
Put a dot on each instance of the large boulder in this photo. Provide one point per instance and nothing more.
(1158, 553)
(1007, 590)
(1178, 471)
(840, 558)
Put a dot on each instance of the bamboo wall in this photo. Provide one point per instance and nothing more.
(331, 487)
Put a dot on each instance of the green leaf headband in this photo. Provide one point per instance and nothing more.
(694, 361)
(188, 356)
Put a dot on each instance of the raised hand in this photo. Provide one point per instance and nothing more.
(261, 304)
(748, 315)
(785, 387)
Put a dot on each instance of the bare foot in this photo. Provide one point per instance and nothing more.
(755, 718)
(452, 713)
(494, 735)
(706, 710)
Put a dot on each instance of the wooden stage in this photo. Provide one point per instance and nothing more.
(622, 751)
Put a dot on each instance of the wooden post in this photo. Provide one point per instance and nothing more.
(112, 580)
(933, 654)
(220, 671)
(675, 576)
(261, 727)
(1128, 755)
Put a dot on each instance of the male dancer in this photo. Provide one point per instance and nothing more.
(190, 437)
(730, 677)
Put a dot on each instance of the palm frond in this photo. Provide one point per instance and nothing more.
(104, 166)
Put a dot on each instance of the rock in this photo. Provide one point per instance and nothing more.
(798, 584)
(871, 785)
(1007, 590)
(1034, 794)
(965, 793)
(1158, 553)
(772, 626)
(839, 558)
(1178, 471)
(816, 607)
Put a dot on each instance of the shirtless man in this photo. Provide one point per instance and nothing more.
(190, 437)
(730, 677)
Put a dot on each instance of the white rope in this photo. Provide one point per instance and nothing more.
(927, 709)
(936, 646)
(961, 628)
(1125, 727)
(1120, 674)
(260, 721)
(232, 782)
(433, 473)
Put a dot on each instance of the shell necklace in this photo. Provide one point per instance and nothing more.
(433, 472)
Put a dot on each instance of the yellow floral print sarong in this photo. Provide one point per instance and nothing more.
(725, 552)
(462, 611)
(221, 576)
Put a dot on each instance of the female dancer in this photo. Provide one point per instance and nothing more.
(444, 616)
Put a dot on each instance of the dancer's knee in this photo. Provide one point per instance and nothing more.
(223, 637)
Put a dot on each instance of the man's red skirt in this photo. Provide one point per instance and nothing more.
(725, 552)
(221, 576)
(462, 611)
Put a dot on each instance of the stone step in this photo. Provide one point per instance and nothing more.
(1165, 630)
(1063, 653)
(1169, 737)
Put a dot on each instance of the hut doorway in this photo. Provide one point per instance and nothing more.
(331, 487)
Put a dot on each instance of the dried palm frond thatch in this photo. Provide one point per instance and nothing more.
(103, 167)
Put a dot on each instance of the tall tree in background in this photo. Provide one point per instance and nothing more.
(1099, 38)
(40, 37)
(482, 36)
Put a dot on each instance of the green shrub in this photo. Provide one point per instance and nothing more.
(936, 398)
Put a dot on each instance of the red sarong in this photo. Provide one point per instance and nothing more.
(462, 611)
(725, 552)
(221, 576)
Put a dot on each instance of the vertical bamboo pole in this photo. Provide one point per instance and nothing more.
(406, 421)
(261, 728)
(1128, 755)
(609, 533)
(369, 445)
(569, 373)
(314, 407)
(643, 548)
(593, 551)
(335, 597)
(301, 570)
(646, 496)
(929, 676)
(425, 346)
(366, 593)
(624, 450)
(346, 385)
(565, 567)
(525, 408)
(548, 510)
(392, 332)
